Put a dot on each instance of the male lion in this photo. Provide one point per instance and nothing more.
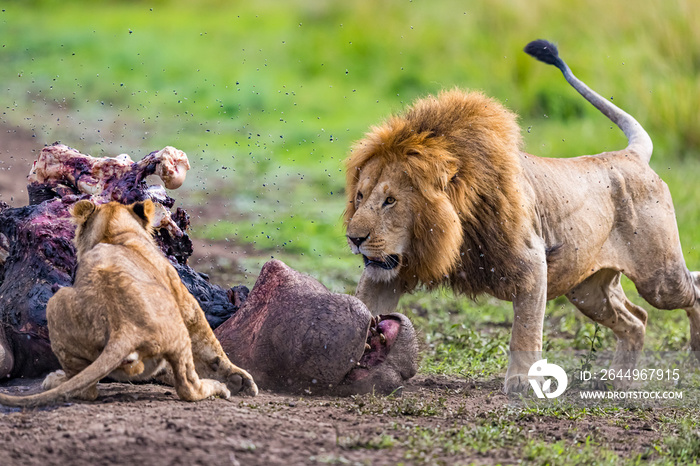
(443, 195)
(127, 315)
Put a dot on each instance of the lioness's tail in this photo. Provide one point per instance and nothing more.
(110, 359)
(638, 139)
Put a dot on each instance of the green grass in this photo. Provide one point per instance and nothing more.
(430, 445)
(458, 433)
(486, 437)
(562, 453)
(682, 443)
(436, 445)
(300, 80)
(566, 410)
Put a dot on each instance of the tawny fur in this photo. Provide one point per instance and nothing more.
(129, 316)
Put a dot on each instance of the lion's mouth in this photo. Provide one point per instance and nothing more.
(390, 262)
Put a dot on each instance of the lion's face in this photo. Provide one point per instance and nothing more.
(430, 191)
(399, 226)
(381, 227)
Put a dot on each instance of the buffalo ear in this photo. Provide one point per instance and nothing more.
(144, 210)
(82, 210)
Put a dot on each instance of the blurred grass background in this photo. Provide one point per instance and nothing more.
(266, 98)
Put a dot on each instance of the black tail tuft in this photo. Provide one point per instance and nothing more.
(544, 51)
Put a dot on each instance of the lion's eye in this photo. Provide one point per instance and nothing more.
(358, 198)
(389, 201)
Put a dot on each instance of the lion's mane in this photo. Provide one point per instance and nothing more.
(463, 146)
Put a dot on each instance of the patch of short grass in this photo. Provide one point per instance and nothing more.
(406, 405)
(460, 336)
(561, 409)
(377, 442)
(457, 349)
(439, 444)
(443, 444)
(542, 453)
(681, 444)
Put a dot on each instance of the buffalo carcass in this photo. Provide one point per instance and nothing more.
(37, 257)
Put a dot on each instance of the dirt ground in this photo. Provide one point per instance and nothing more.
(147, 424)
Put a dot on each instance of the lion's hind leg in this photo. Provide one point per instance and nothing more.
(675, 287)
(693, 313)
(602, 298)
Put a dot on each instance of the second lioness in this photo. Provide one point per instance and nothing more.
(129, 316)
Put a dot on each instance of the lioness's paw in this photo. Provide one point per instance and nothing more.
(242, 383)
(249, 387)
(216, 388)
(53, 380)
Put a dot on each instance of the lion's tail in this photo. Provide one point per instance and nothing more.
(112, 356)
(637, 137)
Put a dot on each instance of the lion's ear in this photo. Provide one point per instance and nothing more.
(445, 179)
(144, 210)
(82, 210)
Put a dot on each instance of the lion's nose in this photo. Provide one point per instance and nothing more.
(358, 240)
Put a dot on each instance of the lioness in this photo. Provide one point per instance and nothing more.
(127, 315)
(443, 195)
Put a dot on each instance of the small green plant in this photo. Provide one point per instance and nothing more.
(589, 357)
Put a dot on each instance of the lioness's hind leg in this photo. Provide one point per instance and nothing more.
(602, 298)
(211, 360)
(188, 385)
(57, 378)
(54, 379)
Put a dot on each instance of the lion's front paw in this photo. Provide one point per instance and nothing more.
(53, 380)
(516, 384)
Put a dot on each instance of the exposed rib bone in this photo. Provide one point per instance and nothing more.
(60, 165)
